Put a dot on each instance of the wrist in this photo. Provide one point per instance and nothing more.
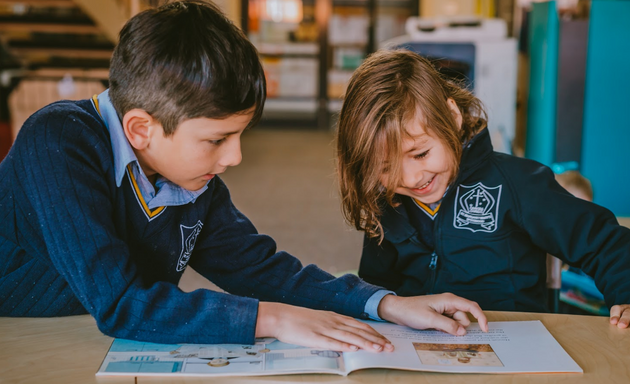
(267, 319)
(387, 308)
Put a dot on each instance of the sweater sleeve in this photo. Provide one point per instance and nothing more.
(66, 178)
(234, 256)
(581, 233)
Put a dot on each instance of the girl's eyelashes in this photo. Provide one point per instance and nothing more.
(422, 155)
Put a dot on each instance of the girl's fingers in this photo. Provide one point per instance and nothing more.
(624, 321)
(620, 315)
(475, 310)
(462, 318)
(615, 313)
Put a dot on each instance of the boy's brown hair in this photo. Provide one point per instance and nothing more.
(391, 89)
(185, 60)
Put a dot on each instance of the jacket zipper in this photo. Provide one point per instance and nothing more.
(433, 268)
(437, 229)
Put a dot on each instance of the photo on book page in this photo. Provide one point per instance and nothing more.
(478, 355)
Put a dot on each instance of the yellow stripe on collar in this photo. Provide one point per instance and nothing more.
(426, 208)
(95, 100)
(150, 213)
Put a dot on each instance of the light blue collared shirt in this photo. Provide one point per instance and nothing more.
(371, 307)
(168, 193)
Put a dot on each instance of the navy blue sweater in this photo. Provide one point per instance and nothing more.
(495, 226)
(72, 242)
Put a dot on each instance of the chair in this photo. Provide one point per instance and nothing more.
(554, 283)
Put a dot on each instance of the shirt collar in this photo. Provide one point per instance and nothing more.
(123, 153)
(168, 193)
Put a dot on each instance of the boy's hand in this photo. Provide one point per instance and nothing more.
(318, 329)
(445, 312)
(620, 315)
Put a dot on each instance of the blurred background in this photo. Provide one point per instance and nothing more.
(552, 75)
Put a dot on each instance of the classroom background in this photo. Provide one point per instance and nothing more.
(553, 76)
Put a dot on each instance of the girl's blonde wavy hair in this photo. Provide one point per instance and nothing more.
(391, 89)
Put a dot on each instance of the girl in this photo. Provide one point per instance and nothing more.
(442, 212)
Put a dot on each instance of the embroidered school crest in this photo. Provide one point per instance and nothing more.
(189, 238)
(477, 207)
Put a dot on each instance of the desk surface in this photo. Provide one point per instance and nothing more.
(70, 350)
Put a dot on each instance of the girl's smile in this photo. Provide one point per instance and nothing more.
(423, 188)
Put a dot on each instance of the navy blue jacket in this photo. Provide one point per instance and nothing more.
(73, 242)
(494, 228)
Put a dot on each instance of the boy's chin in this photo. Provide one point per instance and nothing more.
(194, 186)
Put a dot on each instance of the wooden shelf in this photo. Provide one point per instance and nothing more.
(280, 49)
(323, 104)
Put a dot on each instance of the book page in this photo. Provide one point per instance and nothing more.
(266, 357)
(508, 347)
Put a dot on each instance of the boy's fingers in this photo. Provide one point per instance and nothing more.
(371, 337)
(362, 327)
(361, 338)
(332, 344)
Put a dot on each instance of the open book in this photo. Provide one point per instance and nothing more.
(508, 347)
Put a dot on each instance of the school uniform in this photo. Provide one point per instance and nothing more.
(82, 230)
(489, 237)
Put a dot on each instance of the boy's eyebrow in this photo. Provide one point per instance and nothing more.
(218, 132)
(228, 133)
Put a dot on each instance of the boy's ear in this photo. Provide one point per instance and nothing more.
(137, 125)
(457, 114)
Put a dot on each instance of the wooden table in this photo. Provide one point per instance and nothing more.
(70, 350)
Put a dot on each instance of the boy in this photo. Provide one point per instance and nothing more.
(104, 202)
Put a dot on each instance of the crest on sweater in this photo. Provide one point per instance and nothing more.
(189, 238)
(477, 207)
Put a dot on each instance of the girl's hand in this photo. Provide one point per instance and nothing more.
(620, 315)
(445, 312)
(318, 329)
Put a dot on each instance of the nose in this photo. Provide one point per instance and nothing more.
(410, 177)
(231, 155)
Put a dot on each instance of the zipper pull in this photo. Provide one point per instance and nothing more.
(434, 259)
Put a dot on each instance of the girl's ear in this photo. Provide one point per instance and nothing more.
(457, 114)
(137, 125)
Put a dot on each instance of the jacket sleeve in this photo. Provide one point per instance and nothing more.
(581, 233)
(378, 263)
(234, 256)
(67, 178)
